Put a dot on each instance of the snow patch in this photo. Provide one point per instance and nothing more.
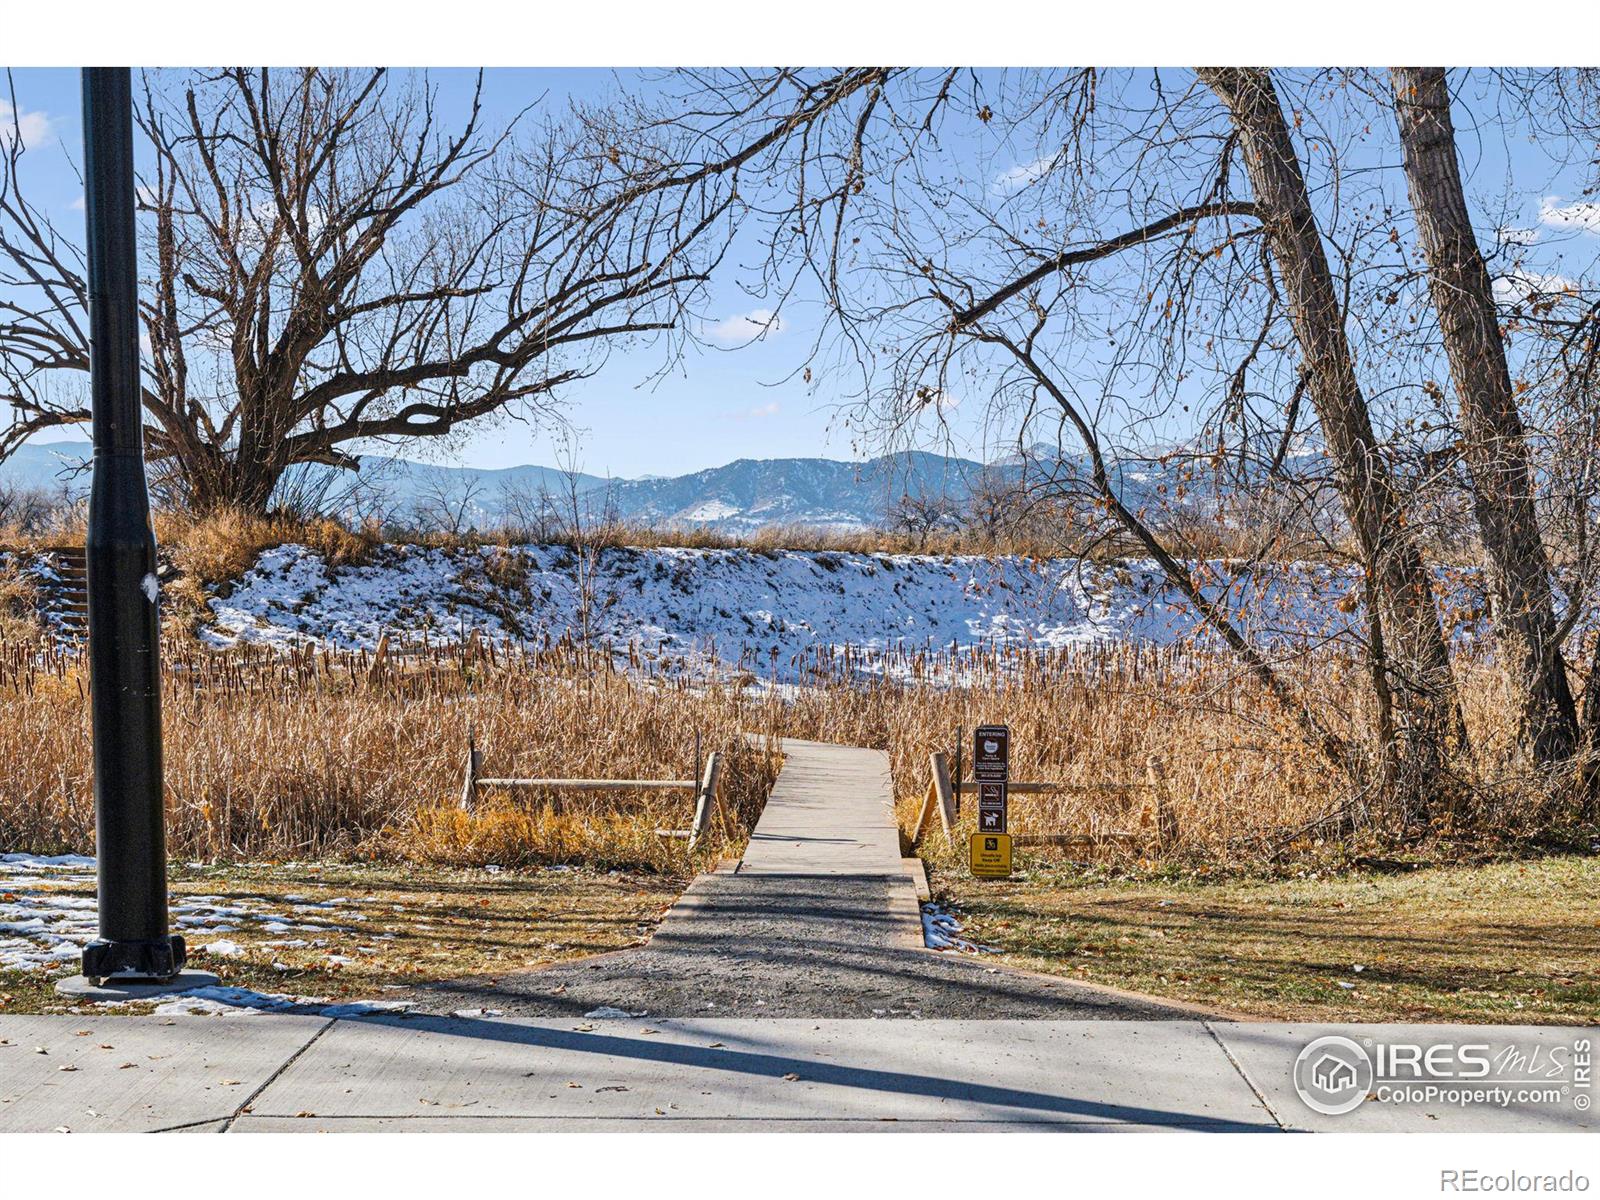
(775, 613)
(41, 927)
(941, 931)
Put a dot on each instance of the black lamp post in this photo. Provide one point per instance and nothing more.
(134, 945)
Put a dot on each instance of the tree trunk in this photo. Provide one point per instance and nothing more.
(1494, 443)
(1419, 664)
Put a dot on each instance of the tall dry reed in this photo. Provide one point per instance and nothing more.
(309, 753)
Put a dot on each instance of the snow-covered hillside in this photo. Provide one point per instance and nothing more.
(766, 608)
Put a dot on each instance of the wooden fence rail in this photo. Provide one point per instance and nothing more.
(1158, 822)
(706, 789)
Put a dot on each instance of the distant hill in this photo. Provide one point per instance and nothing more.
(739, 496)
(49, 467)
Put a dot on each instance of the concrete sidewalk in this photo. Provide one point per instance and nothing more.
(427, 1073)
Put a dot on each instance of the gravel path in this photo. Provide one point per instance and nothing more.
(820, 920)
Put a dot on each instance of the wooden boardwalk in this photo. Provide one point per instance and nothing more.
(831, 812)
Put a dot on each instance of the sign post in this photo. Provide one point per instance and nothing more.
(990, 847)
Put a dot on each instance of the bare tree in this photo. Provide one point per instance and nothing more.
(1113, 275)
(528, 513)
(1411, 631)
(919, 513)
(332, 261)
(1494, 441)
(27, 511)
(448, 504)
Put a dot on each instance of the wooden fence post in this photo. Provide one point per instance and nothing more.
(945, 793)
(1166, 819)
(707, 799)
(469, 785)
(929, 799)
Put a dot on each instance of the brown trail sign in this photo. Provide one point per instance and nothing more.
(991, 767)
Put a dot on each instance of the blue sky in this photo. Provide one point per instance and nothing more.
(732, 398)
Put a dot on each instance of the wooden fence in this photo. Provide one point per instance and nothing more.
(705, 788)
(1158, 823)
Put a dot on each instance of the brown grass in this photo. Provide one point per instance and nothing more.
(1247, 792)
(1515, 942)
(393, 926)
(19, 599)
(314, 755)
(223, 544)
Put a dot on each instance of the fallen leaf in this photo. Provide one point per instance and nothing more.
(791, 1077)
(67, 1067)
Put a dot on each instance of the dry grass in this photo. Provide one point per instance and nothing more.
(19, 604)
(1094, 541)
(1514, 942)
(1246, 791)
(313, 755)
(223, 544)
(394, 927)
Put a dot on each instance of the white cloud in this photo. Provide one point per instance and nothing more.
(79, 204)
(754, 412)
(1518, 284)
(1583, 215)
(1016, 178)
(32, 127)
(744, 327)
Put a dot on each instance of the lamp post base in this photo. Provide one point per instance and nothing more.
(81, 987)
(150, 961)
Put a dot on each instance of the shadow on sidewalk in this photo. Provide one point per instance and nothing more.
(777, 1065)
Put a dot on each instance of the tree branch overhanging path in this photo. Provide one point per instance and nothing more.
(1124, 277)
(332, 261)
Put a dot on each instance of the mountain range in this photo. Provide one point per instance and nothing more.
(741, 495)
(738, 497)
